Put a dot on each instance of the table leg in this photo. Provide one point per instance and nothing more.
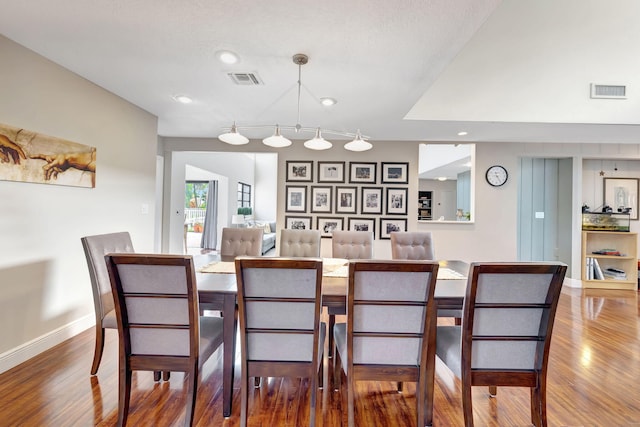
(228, 364)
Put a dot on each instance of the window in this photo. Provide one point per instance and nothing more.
(244, 195)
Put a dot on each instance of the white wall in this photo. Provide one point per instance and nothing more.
(45, 291)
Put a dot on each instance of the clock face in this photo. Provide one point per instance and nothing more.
(496, 176)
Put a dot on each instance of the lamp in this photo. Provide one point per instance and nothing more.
(233, 136)
(237, 220)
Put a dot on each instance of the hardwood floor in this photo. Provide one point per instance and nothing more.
(594, 380)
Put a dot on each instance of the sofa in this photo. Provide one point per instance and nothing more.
(268, 236)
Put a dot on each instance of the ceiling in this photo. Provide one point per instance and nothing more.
(400, 70)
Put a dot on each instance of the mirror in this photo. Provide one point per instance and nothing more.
(446, 184)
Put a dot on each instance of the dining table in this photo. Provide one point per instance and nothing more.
(217, 290)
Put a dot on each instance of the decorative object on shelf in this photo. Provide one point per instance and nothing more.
(396, 201)
(389, 225)
(371, 200)
(331, 172)
(622, 195)
(362, 173)
(424, 205)
(395, 173)
(496, 175)
(277, 140)
(605, 221)
(299, 171)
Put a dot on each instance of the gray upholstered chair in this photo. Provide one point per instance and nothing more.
(352, 244)
(241, 241)
(506, 331)
(95, 248)
(412, 245)
(390, 329)
(348, 245)
(158, 322)
(281, 335)
(299, 243)
(418, 245)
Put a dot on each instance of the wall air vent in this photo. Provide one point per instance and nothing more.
(608, 91)
(245, 79)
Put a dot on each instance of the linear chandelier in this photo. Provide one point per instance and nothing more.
(234, 137)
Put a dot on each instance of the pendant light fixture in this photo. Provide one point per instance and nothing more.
(277, 140)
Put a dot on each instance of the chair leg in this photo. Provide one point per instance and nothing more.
(337, 371)
(124, 396)
(321, 373)
(312, 404)
(256, 382)
(244, 395)
(97, 352)
(457, 321)
(351, 417)
(156, 376)
(166, 375)
(192, 388)
(332, 321)
(400, 386)
(539, 405)
(493, 391)
(467, 406)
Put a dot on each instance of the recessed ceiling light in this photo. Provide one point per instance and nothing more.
(463, 133)
(442, 178)
(227, 57)
(328, 102)
(184, 99)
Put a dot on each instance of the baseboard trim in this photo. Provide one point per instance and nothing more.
(572, 283)
(26, 351)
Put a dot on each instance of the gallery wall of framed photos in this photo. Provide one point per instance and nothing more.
(339, 195)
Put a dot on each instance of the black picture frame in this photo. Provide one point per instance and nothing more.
(328, 225)
(296, 198)
(396, 201)
(331, 172)
(297, 222)
(362, 224)
(299, 171)
(371, 200)
(362, 172)
(346, 199)
(395, 173)
(321, 199)
(389, 225)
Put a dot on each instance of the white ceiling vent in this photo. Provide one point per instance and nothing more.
(245, 79)
(608, 91)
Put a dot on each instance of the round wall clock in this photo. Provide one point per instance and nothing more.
(496, 175)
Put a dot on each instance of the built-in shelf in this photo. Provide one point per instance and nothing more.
(623, 242)
(424, 205)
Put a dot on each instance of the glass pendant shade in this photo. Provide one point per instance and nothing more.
(233, 137)
(358, 144)
(277, 140)
(318, 142)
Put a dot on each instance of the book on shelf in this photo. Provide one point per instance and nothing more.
(597, 271)
(612, 252)
(615, 274)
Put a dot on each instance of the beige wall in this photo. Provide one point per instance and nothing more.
(44, 284)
